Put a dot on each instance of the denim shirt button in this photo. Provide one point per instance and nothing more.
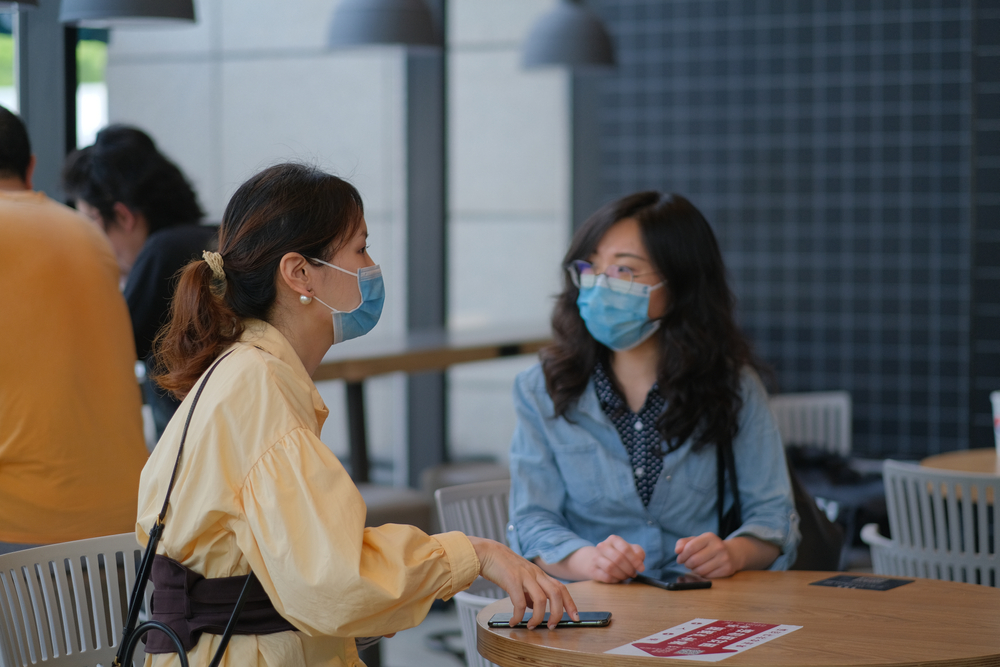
(649, 523)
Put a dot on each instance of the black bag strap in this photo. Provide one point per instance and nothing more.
(725, 464)
(131, 632)
(231, 626)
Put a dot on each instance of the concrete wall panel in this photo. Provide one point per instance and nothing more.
(489, 23)
(509, 135)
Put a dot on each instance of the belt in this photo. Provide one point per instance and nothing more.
(191, 605)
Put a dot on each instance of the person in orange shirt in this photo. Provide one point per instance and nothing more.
(71, 443)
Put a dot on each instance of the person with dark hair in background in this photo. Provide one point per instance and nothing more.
(256, 489)
(615, 458)
(150, 214)
(71, 445)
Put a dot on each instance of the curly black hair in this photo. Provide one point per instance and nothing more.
(702, 350)
(124, 165)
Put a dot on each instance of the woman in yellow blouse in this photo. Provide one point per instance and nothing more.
(256, 489)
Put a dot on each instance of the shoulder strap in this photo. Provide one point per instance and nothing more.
(720, 488)
(146, 565)
(734, 486)
(231, 625)
(180, 449)
(725, 463)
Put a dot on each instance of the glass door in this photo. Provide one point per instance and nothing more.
(8, 83)
(91, 86)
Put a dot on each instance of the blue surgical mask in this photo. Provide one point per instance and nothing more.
(361, 320)
(618, 318)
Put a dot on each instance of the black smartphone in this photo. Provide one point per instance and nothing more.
(678, 582)
(588, 619)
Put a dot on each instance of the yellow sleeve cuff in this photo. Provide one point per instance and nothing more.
(461, 558)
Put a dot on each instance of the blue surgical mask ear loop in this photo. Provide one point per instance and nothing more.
(350, 273)
(362, 319)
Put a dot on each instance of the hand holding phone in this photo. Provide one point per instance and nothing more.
(588, 619)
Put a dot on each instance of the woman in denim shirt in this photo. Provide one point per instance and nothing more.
(614, 461)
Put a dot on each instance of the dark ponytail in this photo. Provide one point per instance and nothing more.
(285, 208)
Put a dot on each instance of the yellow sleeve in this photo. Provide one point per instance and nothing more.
(303, 535)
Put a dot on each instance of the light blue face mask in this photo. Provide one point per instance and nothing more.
(361, 320)
(618, 318)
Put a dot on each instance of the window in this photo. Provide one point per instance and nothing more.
(91, 89)
(8, 88)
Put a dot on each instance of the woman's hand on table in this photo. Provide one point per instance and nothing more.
(707, 555)
(712, 557)
(525, 583)
(610, 562)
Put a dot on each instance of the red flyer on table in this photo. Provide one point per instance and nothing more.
(705, 639)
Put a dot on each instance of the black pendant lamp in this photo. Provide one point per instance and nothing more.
(570, 35)
(384, 22)
(124, 13)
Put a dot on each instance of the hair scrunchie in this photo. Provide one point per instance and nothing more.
(214, 261)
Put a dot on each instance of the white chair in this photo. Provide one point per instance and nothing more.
(943, 525)
(455, 474)
(64, 605)
(817, 419)
(480, 510)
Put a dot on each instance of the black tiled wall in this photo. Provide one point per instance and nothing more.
(848, 156)
(986, 217)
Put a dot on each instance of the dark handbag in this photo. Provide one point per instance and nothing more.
(822, 539)
(132, 632)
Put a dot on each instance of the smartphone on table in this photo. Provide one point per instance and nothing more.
(675, 581)
(588, 619)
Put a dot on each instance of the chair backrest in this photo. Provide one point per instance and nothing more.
(478, 509)
(816, 419)
(943, 523)
(481, 510)
(65, 604)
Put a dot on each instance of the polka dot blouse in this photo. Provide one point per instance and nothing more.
(637, 431)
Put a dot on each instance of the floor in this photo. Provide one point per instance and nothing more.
(417, 647)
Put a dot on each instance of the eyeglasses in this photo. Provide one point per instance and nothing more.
(620, 278)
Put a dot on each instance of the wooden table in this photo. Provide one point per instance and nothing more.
(924, 623)
(967, 460)
(436, 350)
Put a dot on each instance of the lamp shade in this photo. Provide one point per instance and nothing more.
(119, 13)
(366, 22)
(569, 35)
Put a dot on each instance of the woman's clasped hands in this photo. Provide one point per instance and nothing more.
(615, 560)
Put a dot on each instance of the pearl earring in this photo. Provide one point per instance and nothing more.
(305, 299)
